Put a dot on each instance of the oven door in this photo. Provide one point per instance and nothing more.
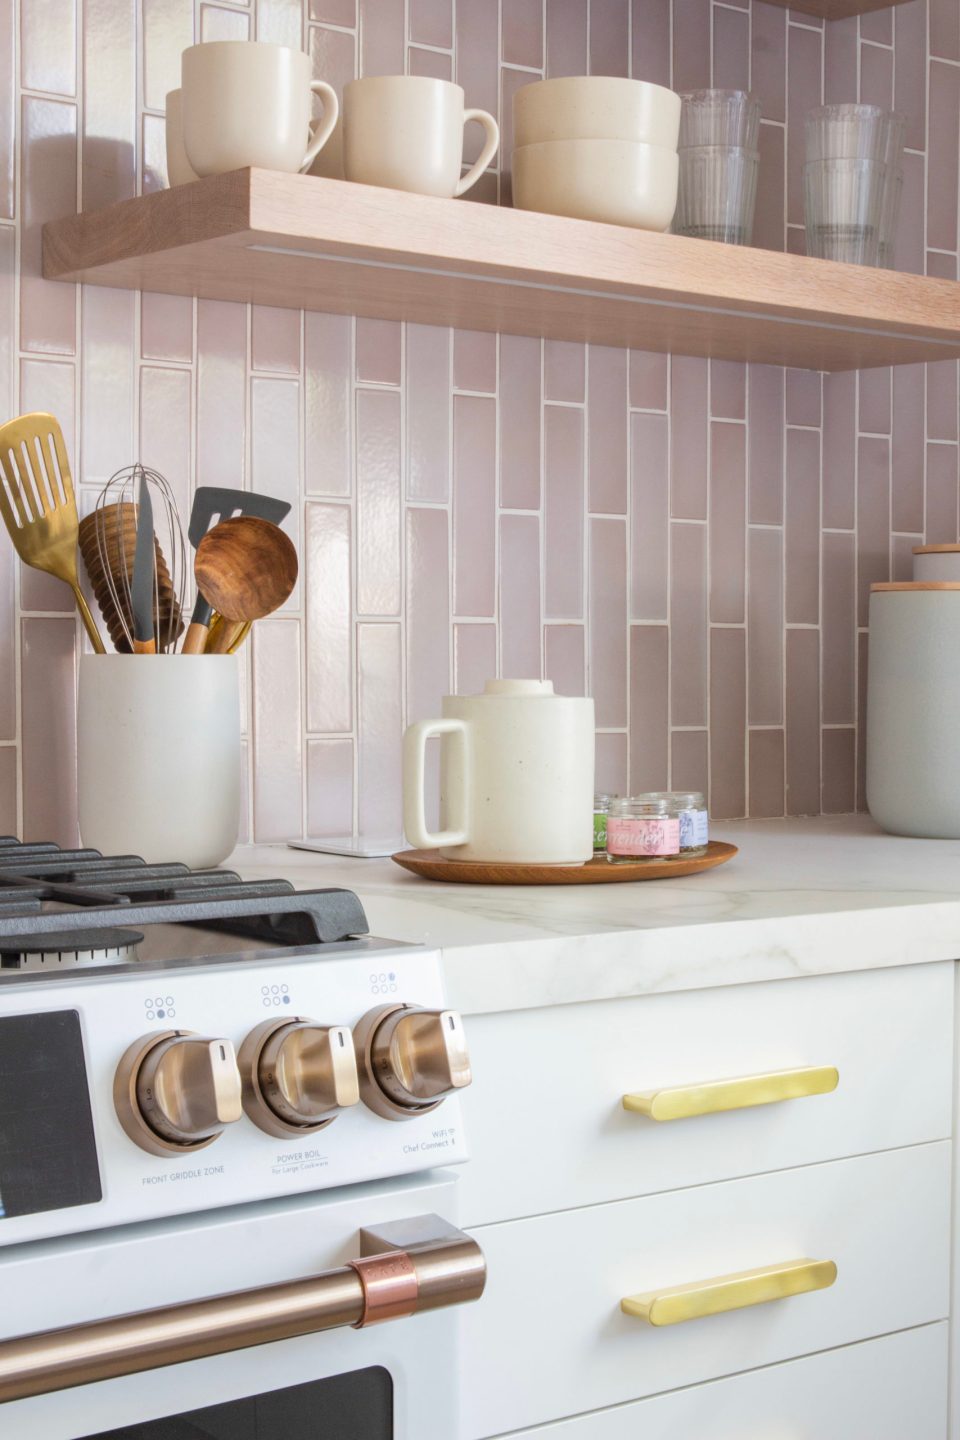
(294, 1378)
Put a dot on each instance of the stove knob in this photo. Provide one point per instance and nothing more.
(175, 1091)
(410, 1059)
(297, 1075)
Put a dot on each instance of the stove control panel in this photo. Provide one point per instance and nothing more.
(236, 1103)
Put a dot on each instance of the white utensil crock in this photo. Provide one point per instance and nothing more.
(913, 704)
(516, 776)
(158, 756)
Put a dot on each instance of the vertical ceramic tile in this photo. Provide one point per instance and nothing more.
(521, 33)
(427, 611)
(278, 759)
(728, 721)
(379, 345)
(875, 388)
(329, 787)
(649, 380)
(766, 777)
(768, 40)
(474, 657)
(802, 529)
(275, 450)
(840, 61)
(941, 515)
(166, 328)
(564, 370)
(803, 397)
(8, 329)
(876, 76)
(909, 69)
(649, 721)
(609, 37)
(344, 12)
(765, 627)
(803, 722)
(877, 27)
(943, 156)
(218, 23)
(688, 438)
(650, 58)
(690, 761)
(607, 430)
(328, 404)
(901, 556)
(649, 516)
(167, 31)
(474, 505)
(520, 597)
(8, 110)
(608, 614)
(563, 512)
(770, 216)
(221, 393)
(381, 37)
(804, 60)
(838, 788)
(566, 49)
(280, 22)
(765, 445)
(728, 390)
(908, 448)
(731, 49)
(329, 628)
(688, 624)
(333, 57)
(109, 142)
(8, 790)
(940, 266)
(942, 401)
(106, 383)
(435, 64)
(564, 660)
(431, 22)
(165, 427)
(477, 52)
(48, 728)
(48, 47)
(49, 179)
(519, 422)
(275, 339)
(428, 412)
(728, 497)
(611, 764)
(380, 729)
(8, 645)
(378, 502)
(691, 57)
(944, 29)
(46, 385)
(475, 361)
(911, 237)
(839, 629)
(153, 148)
(839, 449)
(873, 523)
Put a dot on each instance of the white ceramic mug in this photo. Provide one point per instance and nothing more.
(158, 756)
(179, 169)
(246, 102)
(405, 132)
(516, 776)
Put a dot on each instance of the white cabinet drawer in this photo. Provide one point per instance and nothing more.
(894, 1388)
(549, 1338)
(547, 1126)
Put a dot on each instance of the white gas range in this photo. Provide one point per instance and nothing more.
(192, 1070)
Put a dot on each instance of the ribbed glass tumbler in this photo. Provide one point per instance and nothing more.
(717, 193)
(853, 181)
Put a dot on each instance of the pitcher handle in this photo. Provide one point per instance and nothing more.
(331, 113)
(414, 770)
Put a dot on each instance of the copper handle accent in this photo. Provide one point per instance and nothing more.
(405, 1267)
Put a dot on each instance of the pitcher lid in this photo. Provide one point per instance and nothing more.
(519, 687)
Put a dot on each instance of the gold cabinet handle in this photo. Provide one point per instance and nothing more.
(679, 1102)
(730, 1292)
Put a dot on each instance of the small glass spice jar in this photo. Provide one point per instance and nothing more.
(601, 809)
(694, 821)
(642, 827)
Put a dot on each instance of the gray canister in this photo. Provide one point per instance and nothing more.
(913, 709)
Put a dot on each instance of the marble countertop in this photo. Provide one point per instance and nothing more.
(803, 897)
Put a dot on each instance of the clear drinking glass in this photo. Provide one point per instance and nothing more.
(720, 117)
(854, 132)
(889, 219)
(717, 193)
(844, 205)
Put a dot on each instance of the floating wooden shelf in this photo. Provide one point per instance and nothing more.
(836, 9)
(306, 243)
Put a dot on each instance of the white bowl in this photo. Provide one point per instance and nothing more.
(936, 563)
(616, 181)
(596, 107)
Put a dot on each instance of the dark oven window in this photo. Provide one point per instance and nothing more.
(356, 1406)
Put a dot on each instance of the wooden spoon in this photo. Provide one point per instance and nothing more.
(246, 568)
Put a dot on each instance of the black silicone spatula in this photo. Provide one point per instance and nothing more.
(211, 504)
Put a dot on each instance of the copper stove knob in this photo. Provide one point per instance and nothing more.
(410, 1059)
(176, 1091)
(297, 1075)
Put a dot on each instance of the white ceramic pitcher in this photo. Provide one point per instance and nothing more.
(516, 776)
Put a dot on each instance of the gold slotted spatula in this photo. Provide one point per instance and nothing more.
(38, 504)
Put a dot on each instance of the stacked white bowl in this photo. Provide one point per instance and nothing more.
(597, 147)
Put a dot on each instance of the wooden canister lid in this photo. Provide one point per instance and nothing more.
(884, 585)
(936, 549)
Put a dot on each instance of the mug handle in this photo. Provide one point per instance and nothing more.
(331, 114)
(486, 154)
(414, 764)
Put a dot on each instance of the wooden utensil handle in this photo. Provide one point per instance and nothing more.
(144, 647)
(227, 633)
(195, 638)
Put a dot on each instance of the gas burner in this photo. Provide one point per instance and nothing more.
(65, 949)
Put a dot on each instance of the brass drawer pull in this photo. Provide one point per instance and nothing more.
(679, 1102)
(730, 1292)
(405, 1267)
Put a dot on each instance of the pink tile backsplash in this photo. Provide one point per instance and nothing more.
(690, 542)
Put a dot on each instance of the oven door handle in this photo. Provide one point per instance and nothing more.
(404, 1267)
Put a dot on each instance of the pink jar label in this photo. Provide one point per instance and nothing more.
(637, 835)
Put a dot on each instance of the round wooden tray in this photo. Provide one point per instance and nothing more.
(431, 865)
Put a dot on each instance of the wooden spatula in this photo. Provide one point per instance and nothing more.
(38, 504)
